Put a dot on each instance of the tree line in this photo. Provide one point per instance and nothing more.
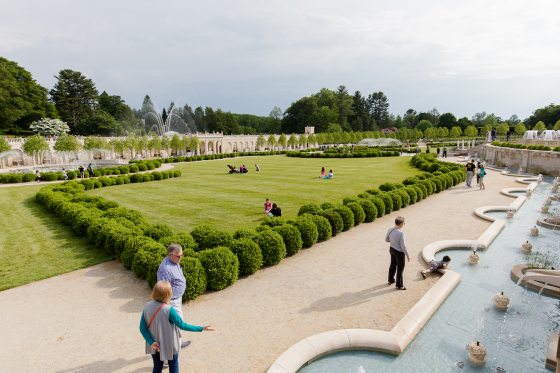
(76, 101)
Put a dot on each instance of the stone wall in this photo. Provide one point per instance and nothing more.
(531, 161)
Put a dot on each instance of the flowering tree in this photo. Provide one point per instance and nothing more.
(49, 127)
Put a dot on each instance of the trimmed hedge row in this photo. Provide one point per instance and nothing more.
(369, 154)
(11, 178)
(522, 146)
(214, 259)
(207, 157)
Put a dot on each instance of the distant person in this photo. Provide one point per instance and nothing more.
(257, 167)
(427, 149)
(436, 265)
(508, 135)
(90, 170)
(478, 165)
(397, 249)
(417, 149)
(444, 153)
(330, 175)
(323, 172)
(481, 174)
(160, 324)
(37, 176)
(494, 134)
(81, 169)
(64, 174)
(267, 206)
(437, 152)
(469, 169)
(275, 211)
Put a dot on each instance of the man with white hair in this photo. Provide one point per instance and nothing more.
(170, 270)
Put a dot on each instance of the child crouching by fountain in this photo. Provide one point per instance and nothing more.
(436, 265)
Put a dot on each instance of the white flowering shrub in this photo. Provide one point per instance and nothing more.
(49, 127)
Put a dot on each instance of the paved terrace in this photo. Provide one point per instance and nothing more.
(87, 320)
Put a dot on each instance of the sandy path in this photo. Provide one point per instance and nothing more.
(87, 320)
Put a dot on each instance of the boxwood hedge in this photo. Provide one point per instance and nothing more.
(221, 267)
(291, 237)
(249, 255)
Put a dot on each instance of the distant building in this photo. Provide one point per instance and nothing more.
(309, 130)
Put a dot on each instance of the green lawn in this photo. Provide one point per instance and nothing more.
(33, 245)
(207, 194)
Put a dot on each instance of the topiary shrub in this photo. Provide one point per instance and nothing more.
(439, 185)
(386, 187)
(357, 211)
(158, 231)
(208, 237)
(195, 277)
(347, 200)
(429, 187)
(369, 208)
(347, 217)
(273, 222)
(306, 226)
(335, 220)
(327, 206)
(272, 247)
(324, 230)
(134, 216)
(221, 267)
(373, 191)
(412, 194)
(131, 246)
(388, 201)
(147, 260)
(245, 233)
(405, 198)
(184, 239)
(249, 255)
(310, 208)
(291, 237)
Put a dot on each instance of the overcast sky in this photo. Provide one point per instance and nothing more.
(463, 57)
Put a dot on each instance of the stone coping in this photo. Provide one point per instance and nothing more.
(546, 224)
(551, 359)
(396, 340)
(517, 272)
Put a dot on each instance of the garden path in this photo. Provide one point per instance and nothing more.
(87, 320)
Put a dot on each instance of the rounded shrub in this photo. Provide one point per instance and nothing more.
(184, 239)
(291, 237)
(195, 277)
(324, 230)
(347, 217)
(158, 231)
(388, 201)
(273, 221)
(272, 247)
(147, 260)
(405, 198)
(308, 229)
(369, 208)
(347, 200)
(335, 220)
(249, 255)
(439, 185)
(386, 187)
(131, 246)
(327, 206)
(310, 208)
(208, 237)
(397, 200)
(221, 267)
(134, 216)
(357, 211)
(245, 233)
(412, 194)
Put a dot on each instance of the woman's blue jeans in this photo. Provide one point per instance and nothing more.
(158, 364)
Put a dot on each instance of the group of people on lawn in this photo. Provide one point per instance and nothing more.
(325, 175)
(271, 209)
(242, 169)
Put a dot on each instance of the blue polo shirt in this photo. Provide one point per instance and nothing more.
(173, 273)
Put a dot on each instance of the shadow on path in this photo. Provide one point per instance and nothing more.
(110, 366)
(347, 299)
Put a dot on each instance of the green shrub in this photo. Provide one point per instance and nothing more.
(134, 216)
(310, 208)
(306, 226)
(410, 180)
(245, 233)
(335, 221)
(272, 247)
(324, 230)
(347, 200)
(208, 237)
(327, 206)
(176, 173)
(347, 217)
(195, 277)
(438, 183)
(184, 239)
(221, 267)
(147, 260)
(131, 247)
(412, 194)
(386, 187)
(249, 255)
(273, 222)
(357, 211)
(397, 200)
(369, 209)
(388, 201)
(158, 231)
(291, 237)
(405, 198)
(373, 191)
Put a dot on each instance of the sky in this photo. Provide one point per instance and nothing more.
(462, 57)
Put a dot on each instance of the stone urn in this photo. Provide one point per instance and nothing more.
(474, 258)
(529, 192)
(501, 301)
(510, 214)
(544, 208)
(477, 353)
(526, 247)
(534, 231)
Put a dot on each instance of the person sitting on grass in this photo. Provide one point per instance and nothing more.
(275, 211)
(267, 206)
(436, 265)
(330, 175)
(323, 172)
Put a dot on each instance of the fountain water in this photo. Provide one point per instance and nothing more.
(169, 122)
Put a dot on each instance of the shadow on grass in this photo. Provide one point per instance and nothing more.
(347, 299)
(111, 366)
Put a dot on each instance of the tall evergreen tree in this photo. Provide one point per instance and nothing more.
(344, 103)
(378, 106)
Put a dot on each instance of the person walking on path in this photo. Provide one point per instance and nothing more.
(469, 169)
(444, 154)
(170, 270)
(81, 169)
(437, 152)
(481, 173)
(160, 324)
(397, 249)
(90, 170)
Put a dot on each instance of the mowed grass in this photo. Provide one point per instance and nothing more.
(33, 244)
(207, 194)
